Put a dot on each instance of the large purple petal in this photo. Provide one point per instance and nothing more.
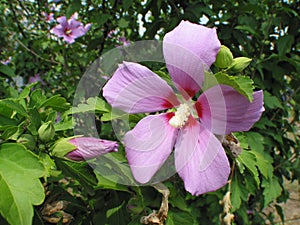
(148, 145)
(190, 49)
(200, 159)
(69, 39)
(87, 27)
(62, 20)
(223, 110)
(74, 16)
(58, 30)
(78, 32)
(74, 24)
(135, 89)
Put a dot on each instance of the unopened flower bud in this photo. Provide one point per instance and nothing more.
(239, 64)
(27, 140)
(224, 58)
(83, 148)
(46, 131)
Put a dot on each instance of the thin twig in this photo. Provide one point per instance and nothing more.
(231, 176)
(31, 51)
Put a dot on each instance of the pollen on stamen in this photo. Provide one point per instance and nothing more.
(181, 116)
(68, 31)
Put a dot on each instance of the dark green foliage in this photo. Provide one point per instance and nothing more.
(265, 31)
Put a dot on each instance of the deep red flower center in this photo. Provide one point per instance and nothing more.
(68, 31)
(199, 109)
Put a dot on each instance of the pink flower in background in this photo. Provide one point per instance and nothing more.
(111, 33)
(54, 7)
(6, 62)
(123, 41)
(200, 160)
(70, 29)
(35, 78)
(90, 147)
(48, 17)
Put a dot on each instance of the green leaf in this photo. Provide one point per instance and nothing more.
(104, 183)
(36, 98)
(264, 163)
(127, 4)
(11, 132)
(176, 199)
(238, 192)
(114, 167)
(115, 114)
(263, 160)
(122, 23)
(9, 107)
(284, 44)
(25, 92)
(48, 163)
(271, 101)
(93, 104)
(117, 215)
(7, 70)
(255, 140)
(57, 103)
(73, 7)
(280, 212)
(264, 123)
(177, 217)
(80, 171)
(4, 121)
(100, 20)
(111, 212)
(65, 124)
(35, 121)
(242, 84)
(248, 159)
(246, 28)
(272, 190)
(19, 183)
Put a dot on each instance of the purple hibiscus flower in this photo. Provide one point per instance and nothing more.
(35, 78)
(6, 62)
(48, 17)
(70, 29)
(123, 41)
(90, 147)
(200, 160)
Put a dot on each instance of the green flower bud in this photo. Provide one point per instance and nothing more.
(224, 58)
(46, 131)
(239, 64)
(62, 147)
(28, 141)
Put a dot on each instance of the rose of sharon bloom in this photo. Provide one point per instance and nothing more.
(6, 62)
(123, 41)
(200, 159)
(35, 78)
(90, 147)
(48, 17)
(70, 29)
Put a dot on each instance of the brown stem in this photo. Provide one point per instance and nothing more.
(160, 217)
